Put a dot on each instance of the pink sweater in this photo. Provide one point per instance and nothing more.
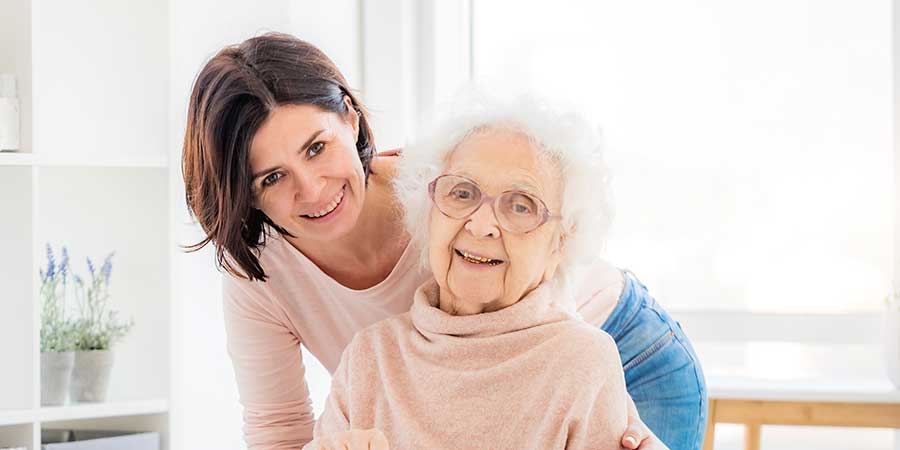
(529, 376)
(267, 322)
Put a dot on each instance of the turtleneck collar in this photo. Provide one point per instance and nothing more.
(538, 307)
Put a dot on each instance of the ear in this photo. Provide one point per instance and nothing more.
(563, 237)
(352, 117)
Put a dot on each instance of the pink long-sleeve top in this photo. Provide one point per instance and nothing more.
(529, 376)
(266, 322)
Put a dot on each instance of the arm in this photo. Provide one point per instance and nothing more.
(333, 429)
(336, 416)
(601, 414)
(596, 297)
(637, 436)
(268, 368)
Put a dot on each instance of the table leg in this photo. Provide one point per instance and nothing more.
(710, 435)
(751, 438)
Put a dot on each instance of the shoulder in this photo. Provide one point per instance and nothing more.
(376, 343)
(581, 333)
(285, 278)
(599, 282)
(587, 350)
(278, 258)
(382, 334)
(384, 164)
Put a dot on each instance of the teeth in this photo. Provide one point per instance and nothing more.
(478, 259)
(330, 207)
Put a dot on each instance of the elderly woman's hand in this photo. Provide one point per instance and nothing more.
(351, 440)
(637, 436)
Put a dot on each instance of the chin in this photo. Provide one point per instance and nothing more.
(473, 295)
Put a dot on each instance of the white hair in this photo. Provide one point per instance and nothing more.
(565, 138)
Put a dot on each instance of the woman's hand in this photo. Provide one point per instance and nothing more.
(637, 436)
(350, 440)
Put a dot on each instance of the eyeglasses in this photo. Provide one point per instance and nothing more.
(458, 197)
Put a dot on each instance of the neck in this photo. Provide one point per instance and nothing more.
(456, 306)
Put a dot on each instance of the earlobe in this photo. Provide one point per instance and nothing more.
(561, 242)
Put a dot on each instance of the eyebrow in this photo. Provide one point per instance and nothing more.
(306, 145)
(528, 188)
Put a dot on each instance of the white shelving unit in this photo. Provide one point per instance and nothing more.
(16, 159)
(84, 411)
(93, 175)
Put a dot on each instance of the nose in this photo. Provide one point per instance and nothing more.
(308, 185)
(483, 222)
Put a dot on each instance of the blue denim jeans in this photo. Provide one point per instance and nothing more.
(662, 372)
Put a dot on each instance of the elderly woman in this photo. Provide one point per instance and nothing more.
(505, 203)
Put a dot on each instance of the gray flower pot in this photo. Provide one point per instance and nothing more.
(90, 378)
(56, 372)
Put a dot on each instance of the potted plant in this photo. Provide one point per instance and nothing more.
(57, 343)
(95, 331)
(891, 331)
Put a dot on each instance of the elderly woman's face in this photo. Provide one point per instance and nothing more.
(498, 161)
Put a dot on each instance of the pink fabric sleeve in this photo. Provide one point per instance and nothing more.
(268, 367)
(335, 418)
(602, 411)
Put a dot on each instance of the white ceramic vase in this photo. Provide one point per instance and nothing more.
(56, 373)
(90, 378)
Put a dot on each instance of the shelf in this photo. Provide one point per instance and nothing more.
(101, 410)
(137, 161)
(84, 411)
(15, 159)
(16, 417)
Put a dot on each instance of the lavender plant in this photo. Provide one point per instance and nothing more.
(57, 334)
(97, 327)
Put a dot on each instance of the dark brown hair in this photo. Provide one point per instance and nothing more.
(231, 98)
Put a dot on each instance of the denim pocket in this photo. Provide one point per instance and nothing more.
(660, 343)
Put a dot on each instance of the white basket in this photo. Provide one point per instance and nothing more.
(102, 440)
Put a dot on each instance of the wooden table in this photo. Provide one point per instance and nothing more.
(773, 391)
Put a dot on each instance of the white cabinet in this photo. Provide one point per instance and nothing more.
(92, 174)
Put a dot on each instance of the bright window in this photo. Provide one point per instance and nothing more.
(751, 142)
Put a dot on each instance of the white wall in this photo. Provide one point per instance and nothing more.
(205, 409)
(111, 53)
(334, 28)
(896, 200)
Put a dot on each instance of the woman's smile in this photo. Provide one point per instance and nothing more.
(476, 260)
(332, 209)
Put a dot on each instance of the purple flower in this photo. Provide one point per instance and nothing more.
(64, 264)
(106, 269)
(51, 262)
(90, 265)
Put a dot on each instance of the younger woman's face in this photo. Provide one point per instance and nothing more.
(306, 172)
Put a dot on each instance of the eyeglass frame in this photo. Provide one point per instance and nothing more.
(546, 215)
